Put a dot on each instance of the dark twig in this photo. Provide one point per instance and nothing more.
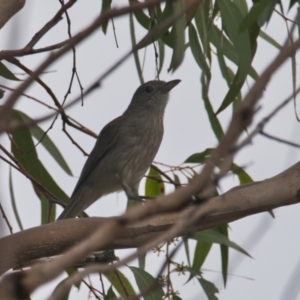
(20, 168)
(162, 173)
(6, 109)
(114, 30)
(73, 141)
(260, 126)
(149, 37)
(50, 24)
(6, 220)
(79, 126)
(272, 137)
(74, 69)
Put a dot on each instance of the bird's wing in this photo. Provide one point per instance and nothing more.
(106, 140)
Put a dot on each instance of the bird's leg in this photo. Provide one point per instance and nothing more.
(132, 193)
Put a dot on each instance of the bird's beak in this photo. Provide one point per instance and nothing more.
(170, 85)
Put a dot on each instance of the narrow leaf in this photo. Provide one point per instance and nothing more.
(6, 73)
(243, 176)
(221, 42)
(110, 295)
(224, 253)
(187, 250)
(105, 7)
(13, 201)
(154, 185)
(135, 54)
(142, 261)
(141, 17)
(120, 283)
(269, 39)
(47, 143)
(203, 23)
(199, 157)
(161, 54)
(213, 236)
(256, 12)
(244, 47)
(209, 289)
(201, 251)
(179, 38)
(144, 280)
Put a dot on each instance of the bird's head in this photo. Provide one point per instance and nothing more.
(153, 93)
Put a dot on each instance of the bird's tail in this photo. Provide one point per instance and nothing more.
(73, 209)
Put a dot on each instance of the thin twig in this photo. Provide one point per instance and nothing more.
(260, 126)
(279, 139)
(114, 30)
(6, 219)
(78, 127)
(49, 24)
(20, 168)
(6, 109)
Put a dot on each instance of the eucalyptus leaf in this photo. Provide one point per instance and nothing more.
(144, 280)
(120, 282)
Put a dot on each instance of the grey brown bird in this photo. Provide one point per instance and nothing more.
(124, 150)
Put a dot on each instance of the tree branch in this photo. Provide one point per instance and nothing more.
(55, 238)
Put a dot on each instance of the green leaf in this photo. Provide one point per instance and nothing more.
(224, 253)
(203, 23)
(142, 261)
(269, 39)
(243, 176)
(260, 12)
(154, 186)
(143, 280)
(66, 294)
(209, 289)
(105, 7)
(6, 73)
(242, 6)
(292, 3)
(110, 295)
(161, 54)
(72, 271)
(24, 151)
(13, 201)
(135, 53)
(120, 283)
(201, 251)
(179, 37)
(175, 297)
(231, 18)
(221, 42)
(141, 17)
(205, 80)
(167, 13)
(47, 143)
(187, 250)
(197, 52)
(199, 157)
(213, 236)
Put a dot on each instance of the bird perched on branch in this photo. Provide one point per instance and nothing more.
(124, 150)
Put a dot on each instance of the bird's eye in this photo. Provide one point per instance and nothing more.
(149, 89)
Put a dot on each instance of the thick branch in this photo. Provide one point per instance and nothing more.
(8, 9)
(55, 238)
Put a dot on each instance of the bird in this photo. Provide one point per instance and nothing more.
(124, 150)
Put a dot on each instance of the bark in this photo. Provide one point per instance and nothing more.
(55, 238)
